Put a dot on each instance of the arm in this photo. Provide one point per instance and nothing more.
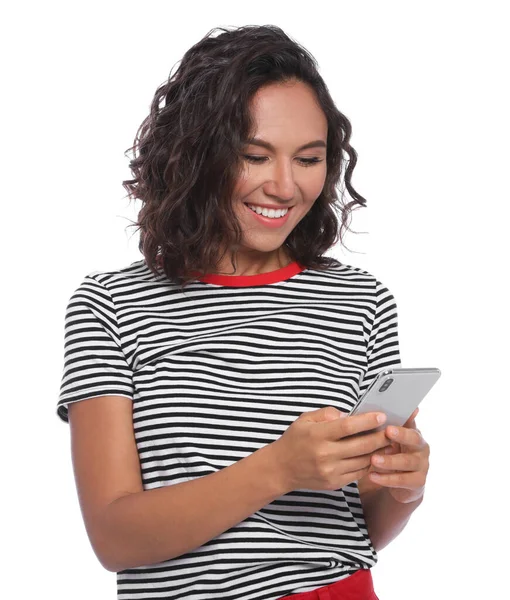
(388, 506)
(384, 516)
(160, 524)
(127, 525)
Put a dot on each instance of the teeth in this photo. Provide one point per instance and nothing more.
(272, 214)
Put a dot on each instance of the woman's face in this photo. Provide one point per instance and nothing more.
(282, 173)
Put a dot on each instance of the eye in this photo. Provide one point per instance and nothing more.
(304, 161)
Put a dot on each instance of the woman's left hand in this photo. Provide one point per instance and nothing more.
(405, 463)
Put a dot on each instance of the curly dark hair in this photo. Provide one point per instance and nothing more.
(190, 148)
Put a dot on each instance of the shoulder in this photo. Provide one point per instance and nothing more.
(137, 270)
(371, 280)
(106, 283)
(366, 287)
(349, 274)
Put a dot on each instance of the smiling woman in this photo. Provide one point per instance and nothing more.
(203, 456)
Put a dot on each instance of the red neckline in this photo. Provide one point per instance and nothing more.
(281, 274)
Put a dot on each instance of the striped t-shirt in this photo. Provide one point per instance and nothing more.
(217, 371)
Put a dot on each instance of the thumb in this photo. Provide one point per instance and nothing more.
(416, 411)
(327, 413)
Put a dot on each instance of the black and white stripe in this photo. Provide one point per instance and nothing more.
(217, 372)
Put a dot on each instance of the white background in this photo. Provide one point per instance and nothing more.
(424, 85)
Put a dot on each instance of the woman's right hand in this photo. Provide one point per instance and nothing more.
(321, 451)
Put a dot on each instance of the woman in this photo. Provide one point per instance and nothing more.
(214, 457)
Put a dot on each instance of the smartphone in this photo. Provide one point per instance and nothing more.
(396, 393)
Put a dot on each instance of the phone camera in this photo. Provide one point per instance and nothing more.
(386, 384)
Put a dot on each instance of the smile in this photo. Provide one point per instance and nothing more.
(268, 220)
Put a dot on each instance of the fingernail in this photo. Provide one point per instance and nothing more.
(393, 431)
(381, 418)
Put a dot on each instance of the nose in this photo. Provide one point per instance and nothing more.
(281, 181)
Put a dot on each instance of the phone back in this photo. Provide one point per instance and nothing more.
(397, 392)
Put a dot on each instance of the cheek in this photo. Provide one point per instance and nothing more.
(313, 186)
(242, 187)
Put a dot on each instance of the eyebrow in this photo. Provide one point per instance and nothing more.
(258, 142)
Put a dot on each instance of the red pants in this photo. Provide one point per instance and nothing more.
(358, 586)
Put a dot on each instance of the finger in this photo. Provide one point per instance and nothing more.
(410, 421)
(406, 437)
(326, 413)
(413, 480)
(390, 450)
(393, 448)
(361, 445)
(352, 425)
(397, 462)
(354, 464)
(372, 469)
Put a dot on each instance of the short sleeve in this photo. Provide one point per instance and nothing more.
(383, 349)
(94, 362)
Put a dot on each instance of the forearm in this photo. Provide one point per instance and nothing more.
(160, 524)
(385, 517)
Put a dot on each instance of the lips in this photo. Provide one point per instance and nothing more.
(268, 222)
(269, 207)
